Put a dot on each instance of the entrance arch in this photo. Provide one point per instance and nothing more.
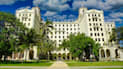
(102, 53)
(68, 56)
(59, 56)
(31, 54)
(116, 53)
(108, 52)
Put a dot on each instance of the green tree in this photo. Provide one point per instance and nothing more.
(80, 43)
(9, 28)
(46, 45)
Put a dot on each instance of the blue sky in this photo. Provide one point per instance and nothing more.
(67, 10)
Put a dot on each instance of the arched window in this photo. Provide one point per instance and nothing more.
(108, 52)
(116, 53)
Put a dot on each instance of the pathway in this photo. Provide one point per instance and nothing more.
(59, 65)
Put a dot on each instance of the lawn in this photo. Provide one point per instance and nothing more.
(75, 63)
(40, 63)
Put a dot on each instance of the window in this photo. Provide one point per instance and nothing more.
(89, 19)
(29, 14)
(63, 32)
(102, 39)
(102, 34)
(101, 29)
(59, 25)
(100, 24)
(94, 29)
(99, 19)
(55, 36)
(90, 29)
(28, 24)
(95, 14)
(98, 34)
(56, 25)
(63, 25)
(59, 36)
(89, 15)
(71, 29)
(90, 24)
(91, 34)
(63, 36)
(97, 28)
(95, 34)
(98, 39)
(29, 19)
(74, 25)
(74, 28)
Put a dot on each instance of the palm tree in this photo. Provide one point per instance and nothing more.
(46, 45)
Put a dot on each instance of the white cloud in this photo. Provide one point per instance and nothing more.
(52, 5)
(100, 4)
(49, 13)
(8, 2)
(116, 15)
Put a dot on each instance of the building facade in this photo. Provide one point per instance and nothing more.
(31, 18)
(91, 22)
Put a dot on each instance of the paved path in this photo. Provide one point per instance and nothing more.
(59, 65)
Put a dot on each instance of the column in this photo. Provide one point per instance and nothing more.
(26, 55)
(12, 55)
(35, 52)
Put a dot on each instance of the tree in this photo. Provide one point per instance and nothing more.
(46, 45)
(119, 31)
(28, 39)
(113, 35)
(79, 44)
(9, 28)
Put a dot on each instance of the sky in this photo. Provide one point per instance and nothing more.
(67, 10)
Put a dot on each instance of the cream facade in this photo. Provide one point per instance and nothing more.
(91, 22)
(31, 18)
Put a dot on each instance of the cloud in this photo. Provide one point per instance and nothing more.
(52, 5)
(99, 4)
(50, 13)
(8, 2)
(116, 15)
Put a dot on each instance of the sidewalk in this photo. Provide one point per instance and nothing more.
(59, 65)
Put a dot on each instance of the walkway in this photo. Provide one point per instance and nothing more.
(59, 65)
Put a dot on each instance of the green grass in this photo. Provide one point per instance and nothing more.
(75, 63)
(28, 63)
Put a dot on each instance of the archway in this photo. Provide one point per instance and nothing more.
(68, 56)
(63, 56)
(116, 53)
(31, 54)
(59, 56)
(102, 53)
(108, 52)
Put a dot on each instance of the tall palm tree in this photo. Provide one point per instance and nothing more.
(46, 45)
